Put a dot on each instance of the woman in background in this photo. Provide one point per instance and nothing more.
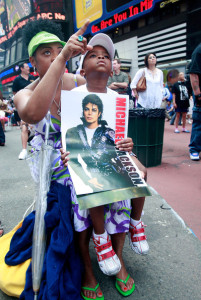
(152, 96)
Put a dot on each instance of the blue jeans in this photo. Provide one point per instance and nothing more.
(195, 142)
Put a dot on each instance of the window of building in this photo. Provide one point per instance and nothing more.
(2, 58)
(12, 52)
(126, 28)
(7, 60)
(19, 50)
(141, 22)
(183, 7)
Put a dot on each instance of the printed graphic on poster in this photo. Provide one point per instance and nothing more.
(91, 125)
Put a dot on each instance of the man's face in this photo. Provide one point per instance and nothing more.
(116, 66)
(91, 114)
(25, 70)
(97, 60)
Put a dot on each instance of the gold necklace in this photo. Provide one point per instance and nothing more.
(59, 105)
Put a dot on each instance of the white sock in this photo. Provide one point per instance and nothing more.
(103, 235)
(103, 239)
(135, 222)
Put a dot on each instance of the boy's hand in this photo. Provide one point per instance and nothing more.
(125, 144)
(73, 46)
(64, 157)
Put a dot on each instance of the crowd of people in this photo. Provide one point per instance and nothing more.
(99, 72)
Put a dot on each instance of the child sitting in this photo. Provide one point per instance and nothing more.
(96, 67)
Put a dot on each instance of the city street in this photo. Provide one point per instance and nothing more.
(172, 269)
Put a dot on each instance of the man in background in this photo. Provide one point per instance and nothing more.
(20, 83)
(195, 78)
(119, 81)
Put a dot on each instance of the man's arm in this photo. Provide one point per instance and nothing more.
(113, 86)
(122, 85)
(194, 78)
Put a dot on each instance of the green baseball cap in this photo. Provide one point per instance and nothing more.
(40, 38)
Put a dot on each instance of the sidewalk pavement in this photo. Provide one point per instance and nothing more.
(171, 270)
(178, 178)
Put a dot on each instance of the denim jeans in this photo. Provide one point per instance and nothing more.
(2, 135)
(195, 142)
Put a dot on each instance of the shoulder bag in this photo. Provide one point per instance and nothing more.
(141, 85)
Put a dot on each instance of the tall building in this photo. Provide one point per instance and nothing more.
(14, 14)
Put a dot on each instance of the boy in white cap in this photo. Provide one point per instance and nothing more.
(96, 67)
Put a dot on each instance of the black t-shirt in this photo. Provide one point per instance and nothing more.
(195, 65)
(20, 83)
(181, 94)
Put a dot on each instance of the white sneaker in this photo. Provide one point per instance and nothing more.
(23, 154)
(194, 156)
(137, 239)
(108, 261)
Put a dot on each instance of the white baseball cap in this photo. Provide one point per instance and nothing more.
(100, 39)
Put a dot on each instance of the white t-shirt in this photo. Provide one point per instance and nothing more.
(90, 134)
(83, 88)
(152, 97)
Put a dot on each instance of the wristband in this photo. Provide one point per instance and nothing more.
(198, 96)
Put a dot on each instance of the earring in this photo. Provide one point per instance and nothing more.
(34, 70)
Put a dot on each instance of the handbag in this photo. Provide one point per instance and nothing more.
(12, 278)
(141, 85)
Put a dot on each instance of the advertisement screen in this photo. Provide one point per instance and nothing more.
(16, 10)
(2, 18)
(87, 9)
(107, 14)
(47, 6)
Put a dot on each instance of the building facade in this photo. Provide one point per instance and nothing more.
(14, 14)
(169, 28)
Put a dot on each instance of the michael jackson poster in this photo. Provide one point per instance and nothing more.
(91, 124)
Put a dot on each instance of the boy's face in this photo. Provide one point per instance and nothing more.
(97, 60)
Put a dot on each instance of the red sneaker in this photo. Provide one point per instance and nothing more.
(108, 261)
